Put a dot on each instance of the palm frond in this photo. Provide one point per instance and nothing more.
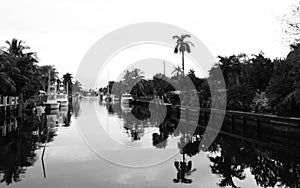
(185, 36)
(188, 49)
(190, 43)
(176, 37)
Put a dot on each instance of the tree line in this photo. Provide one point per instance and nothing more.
(253, 83)
(20, 74)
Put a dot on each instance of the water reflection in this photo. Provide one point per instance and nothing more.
(22, 138)
(18, 148)
(184, 169)
(230, 156)
(270, 166)
(75, 107)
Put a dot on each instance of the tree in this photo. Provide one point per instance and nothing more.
(191, 73)
(7, 68)
(131, 78)
(231, 68)
(235, 69)
(67, 81)
(77, 86)
(284, 88)
(25, 62)
(182, 46)
(291, 25)
(177, 72)
(26, 82)
(44, 75)
(259, 72)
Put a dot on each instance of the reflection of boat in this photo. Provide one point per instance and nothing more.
(51, 122)
(126, 98)
(62, 99)
(126, 108)
(115, 99)
(52, 111)
(62, 116)
(107, 98)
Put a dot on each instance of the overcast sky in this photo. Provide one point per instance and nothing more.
(62, 31)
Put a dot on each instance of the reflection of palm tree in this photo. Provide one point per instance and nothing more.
(188, 145)
(182, 46)
(184, 169)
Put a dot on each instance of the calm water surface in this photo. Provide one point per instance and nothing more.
(91, 144)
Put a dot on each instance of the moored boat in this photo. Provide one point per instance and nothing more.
(62, 97)
(51, 102)
(126, 98)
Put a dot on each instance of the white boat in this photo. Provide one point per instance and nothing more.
(51, 99)
(62, 97)
(126, 98)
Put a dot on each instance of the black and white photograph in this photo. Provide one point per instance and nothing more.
(150, 94)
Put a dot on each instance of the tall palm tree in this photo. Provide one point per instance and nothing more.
(67, 80)
(182, 46)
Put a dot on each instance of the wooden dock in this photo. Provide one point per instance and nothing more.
(8, 114)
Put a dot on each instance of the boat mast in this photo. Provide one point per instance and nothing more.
(164, 68)
(67, 88)
(108, 79)
(48, 81)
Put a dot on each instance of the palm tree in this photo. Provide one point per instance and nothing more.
(26, 80)
(177, 71)
(130, 78)
(44, 75)
(7, 68)
(67, 80)
(77, 87)
(182, 46)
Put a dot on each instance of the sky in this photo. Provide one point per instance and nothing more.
(62, 31)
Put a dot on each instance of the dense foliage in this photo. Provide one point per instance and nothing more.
(21, 74)
(254, 83)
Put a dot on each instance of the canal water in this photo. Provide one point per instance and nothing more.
(93, 144)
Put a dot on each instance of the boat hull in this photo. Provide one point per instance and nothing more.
(51, 106)
(126, 101)
(63, 103)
